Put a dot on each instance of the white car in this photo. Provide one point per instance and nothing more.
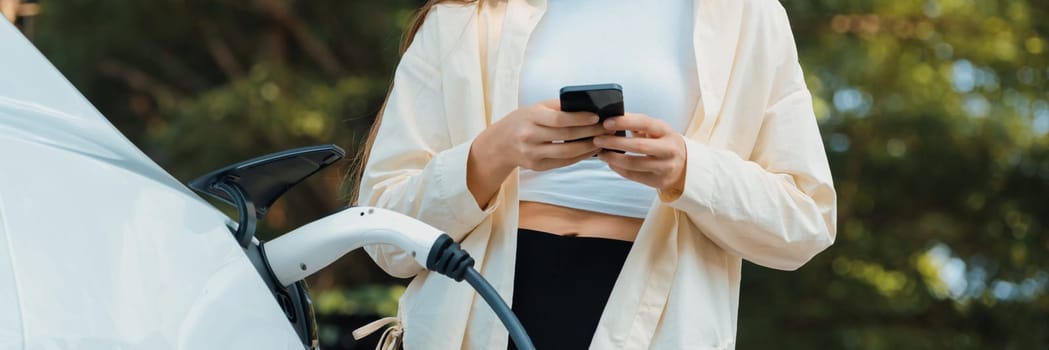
(100, 248)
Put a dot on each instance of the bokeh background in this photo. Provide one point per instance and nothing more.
(935, 116)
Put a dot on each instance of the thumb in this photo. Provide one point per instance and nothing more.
(552, 103)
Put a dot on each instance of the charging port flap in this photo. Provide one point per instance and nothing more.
(253, 185)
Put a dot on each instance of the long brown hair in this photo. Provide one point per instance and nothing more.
(361, 160)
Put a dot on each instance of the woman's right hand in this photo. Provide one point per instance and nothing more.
(531, 138)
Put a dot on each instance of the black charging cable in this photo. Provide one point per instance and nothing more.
(448, 258)
(245, 208)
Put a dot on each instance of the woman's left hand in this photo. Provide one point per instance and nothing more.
(661, 158)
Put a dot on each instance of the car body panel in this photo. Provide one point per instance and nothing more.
(100, 248)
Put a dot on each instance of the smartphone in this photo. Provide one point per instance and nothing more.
(605, 100)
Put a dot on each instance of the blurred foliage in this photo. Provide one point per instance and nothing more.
(360, 300)
(935, 118)
(935, 115)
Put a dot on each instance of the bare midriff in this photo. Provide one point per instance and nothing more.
(574, 222)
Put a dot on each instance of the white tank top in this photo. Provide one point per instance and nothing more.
(645, 46)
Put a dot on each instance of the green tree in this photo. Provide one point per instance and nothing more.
(935, 118)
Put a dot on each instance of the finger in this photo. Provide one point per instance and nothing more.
(539, 134)
(566, 119)
(564, 150)
(550, 163)
(639, 123)
(631, 163)
(659, 148)
(574, 132)
(552, 103)
(647, 179)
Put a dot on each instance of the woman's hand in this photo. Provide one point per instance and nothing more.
(537, 137)
(540, 137)
(661, 163)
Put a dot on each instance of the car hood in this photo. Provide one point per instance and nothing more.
(37, 104)
(100, 248)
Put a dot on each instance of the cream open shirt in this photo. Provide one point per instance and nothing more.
(757, 183)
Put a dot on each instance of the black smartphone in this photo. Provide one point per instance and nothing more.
(605, 100)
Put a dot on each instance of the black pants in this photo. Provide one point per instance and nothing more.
(561, 285)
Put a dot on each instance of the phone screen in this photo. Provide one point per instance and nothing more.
(605, 100)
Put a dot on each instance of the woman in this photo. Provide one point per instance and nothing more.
(635, 250)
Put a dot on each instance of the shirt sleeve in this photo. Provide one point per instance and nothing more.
(413, 166)
(778, 208)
